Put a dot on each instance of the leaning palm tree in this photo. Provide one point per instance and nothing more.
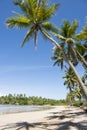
(35, 17)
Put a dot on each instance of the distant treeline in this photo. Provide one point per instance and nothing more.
(22, 99)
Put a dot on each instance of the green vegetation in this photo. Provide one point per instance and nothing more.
(21, 99)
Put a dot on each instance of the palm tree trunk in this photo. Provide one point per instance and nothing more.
(69, 62)
(39, 2)
(51, 39)
(78, 78)
(82, 59)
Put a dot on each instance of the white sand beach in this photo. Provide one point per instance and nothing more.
(58, 118)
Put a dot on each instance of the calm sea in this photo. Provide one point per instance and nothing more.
(6, 109)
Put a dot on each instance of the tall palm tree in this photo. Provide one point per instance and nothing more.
(35, 17)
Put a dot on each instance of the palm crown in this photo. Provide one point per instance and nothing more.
(34, 17)
(71, 43)
(70, 79)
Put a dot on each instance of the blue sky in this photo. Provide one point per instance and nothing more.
(30, 71)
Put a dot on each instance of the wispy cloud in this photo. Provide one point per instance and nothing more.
(11, 68)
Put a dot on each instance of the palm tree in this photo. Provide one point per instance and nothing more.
(67, 32)
(70, 98)
(74, 49)
(81, 50)
(70, 79)
(72, 84)
(58, 57)
(35, 17)
(70, 47)
(78, 93)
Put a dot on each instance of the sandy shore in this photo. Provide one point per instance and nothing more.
(58, 118)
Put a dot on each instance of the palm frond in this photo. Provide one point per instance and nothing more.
(27, 6)
(50, 27)
(82, 46)
(51, 10)
(32, 6)
(69, 29)
(56, 63)
(79, 48)
(28, 35)
(81, 36)
(58, 57)
(85, 29)
(44, 12)
(72, 29)
(19, 22)
(35, 37)
(17, 2)
(59, 36)
(22, 4)
(65, 29)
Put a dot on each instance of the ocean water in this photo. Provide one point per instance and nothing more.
(7, 109)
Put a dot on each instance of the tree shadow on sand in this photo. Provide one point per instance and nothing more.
(46, 126)
(57, 121)
(67, 125)
(17, 126)
(24, 125)
(64, 115)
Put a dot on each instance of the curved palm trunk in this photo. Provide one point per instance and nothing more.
(82, 59)
(69, 62)
(78, 78)
(39, 2)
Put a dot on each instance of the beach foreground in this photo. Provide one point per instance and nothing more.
(58, 118)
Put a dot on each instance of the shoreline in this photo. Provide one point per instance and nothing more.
(14, 109)
(57, 118)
